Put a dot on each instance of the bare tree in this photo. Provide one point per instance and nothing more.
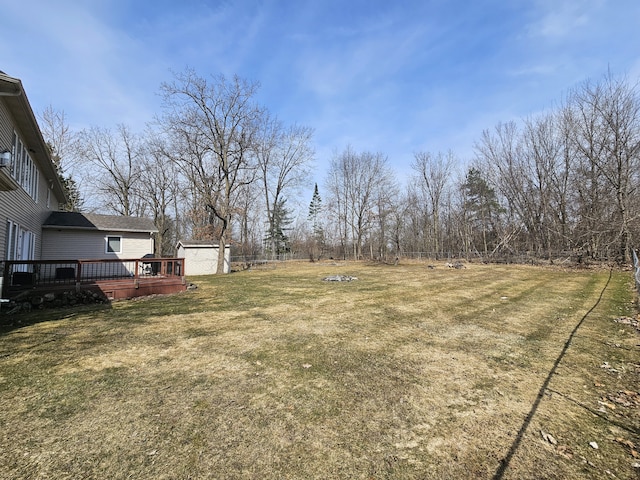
(353, 181)
(62, 142)
(380, 233)
(433, 175)
(284, 158)
(60, 138)
(217, 120)
(548, 160)
(416, 219)
(113, 168)
(250, 221)
(605, 121)
(161, 186)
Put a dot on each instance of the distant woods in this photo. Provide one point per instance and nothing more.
(214, 164)
(568, 180)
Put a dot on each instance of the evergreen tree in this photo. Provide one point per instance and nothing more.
(72, 192)
(317, 232)
(276, 240)
(315, 207)
(481, 207)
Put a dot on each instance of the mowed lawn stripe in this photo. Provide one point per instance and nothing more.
(407, 372)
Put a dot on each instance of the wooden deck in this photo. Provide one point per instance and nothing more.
(114, 279)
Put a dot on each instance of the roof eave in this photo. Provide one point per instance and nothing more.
(98, 229)
(12, 91)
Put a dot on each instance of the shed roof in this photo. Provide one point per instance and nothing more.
(199, 244)
(94, 221)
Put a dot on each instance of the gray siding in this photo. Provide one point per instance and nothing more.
(17, 205)
(61, 244)
(6, 127)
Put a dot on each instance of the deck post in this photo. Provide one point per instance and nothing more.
(5, 278)
(78, 275)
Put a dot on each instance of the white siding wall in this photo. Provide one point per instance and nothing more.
(17, 205)
(83, 244)
(203, 260)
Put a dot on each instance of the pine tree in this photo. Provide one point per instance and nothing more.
(315, 207)
(315, 210)
(482, 206)
(72, 192)
(69, 186)
(276, 240)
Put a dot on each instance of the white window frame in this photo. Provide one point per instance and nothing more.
(20, 244)
(10, 241)
(23, 169)
(107, 245)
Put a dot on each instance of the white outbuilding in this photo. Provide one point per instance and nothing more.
(201, 257)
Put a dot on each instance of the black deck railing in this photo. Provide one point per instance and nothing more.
(28, 274)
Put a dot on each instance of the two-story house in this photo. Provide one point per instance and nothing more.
(96, 252)
(30, 188)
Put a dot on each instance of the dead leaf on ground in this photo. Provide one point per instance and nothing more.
(565, 451)
(626, 398)
(630, 445)
(607, 404)
(625, 442)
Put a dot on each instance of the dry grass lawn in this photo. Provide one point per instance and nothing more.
(408, 372)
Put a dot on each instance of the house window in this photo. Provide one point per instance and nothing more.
(9, 242)
(23, 168)
(114, 244)
(20, 244)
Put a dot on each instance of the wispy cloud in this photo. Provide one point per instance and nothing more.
(561, 19)
(380, 76)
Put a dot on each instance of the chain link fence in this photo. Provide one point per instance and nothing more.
(525, 258)
(532, 258)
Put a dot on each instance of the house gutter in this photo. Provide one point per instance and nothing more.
(12, 87)
(16, 91)
(97, 229)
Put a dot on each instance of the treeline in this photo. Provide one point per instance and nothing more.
(559, 183)
(214, 164)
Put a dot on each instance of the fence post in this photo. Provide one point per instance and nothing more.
(636, 273)
(5, 277)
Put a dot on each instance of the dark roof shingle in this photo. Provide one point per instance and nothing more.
(93, 221)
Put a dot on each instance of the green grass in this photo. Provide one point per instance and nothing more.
(405, 373)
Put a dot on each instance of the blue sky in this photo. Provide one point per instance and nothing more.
(390, 77)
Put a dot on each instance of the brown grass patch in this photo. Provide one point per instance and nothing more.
(405, 373)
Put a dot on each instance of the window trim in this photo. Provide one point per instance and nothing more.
(20, 244)
(23, 168)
